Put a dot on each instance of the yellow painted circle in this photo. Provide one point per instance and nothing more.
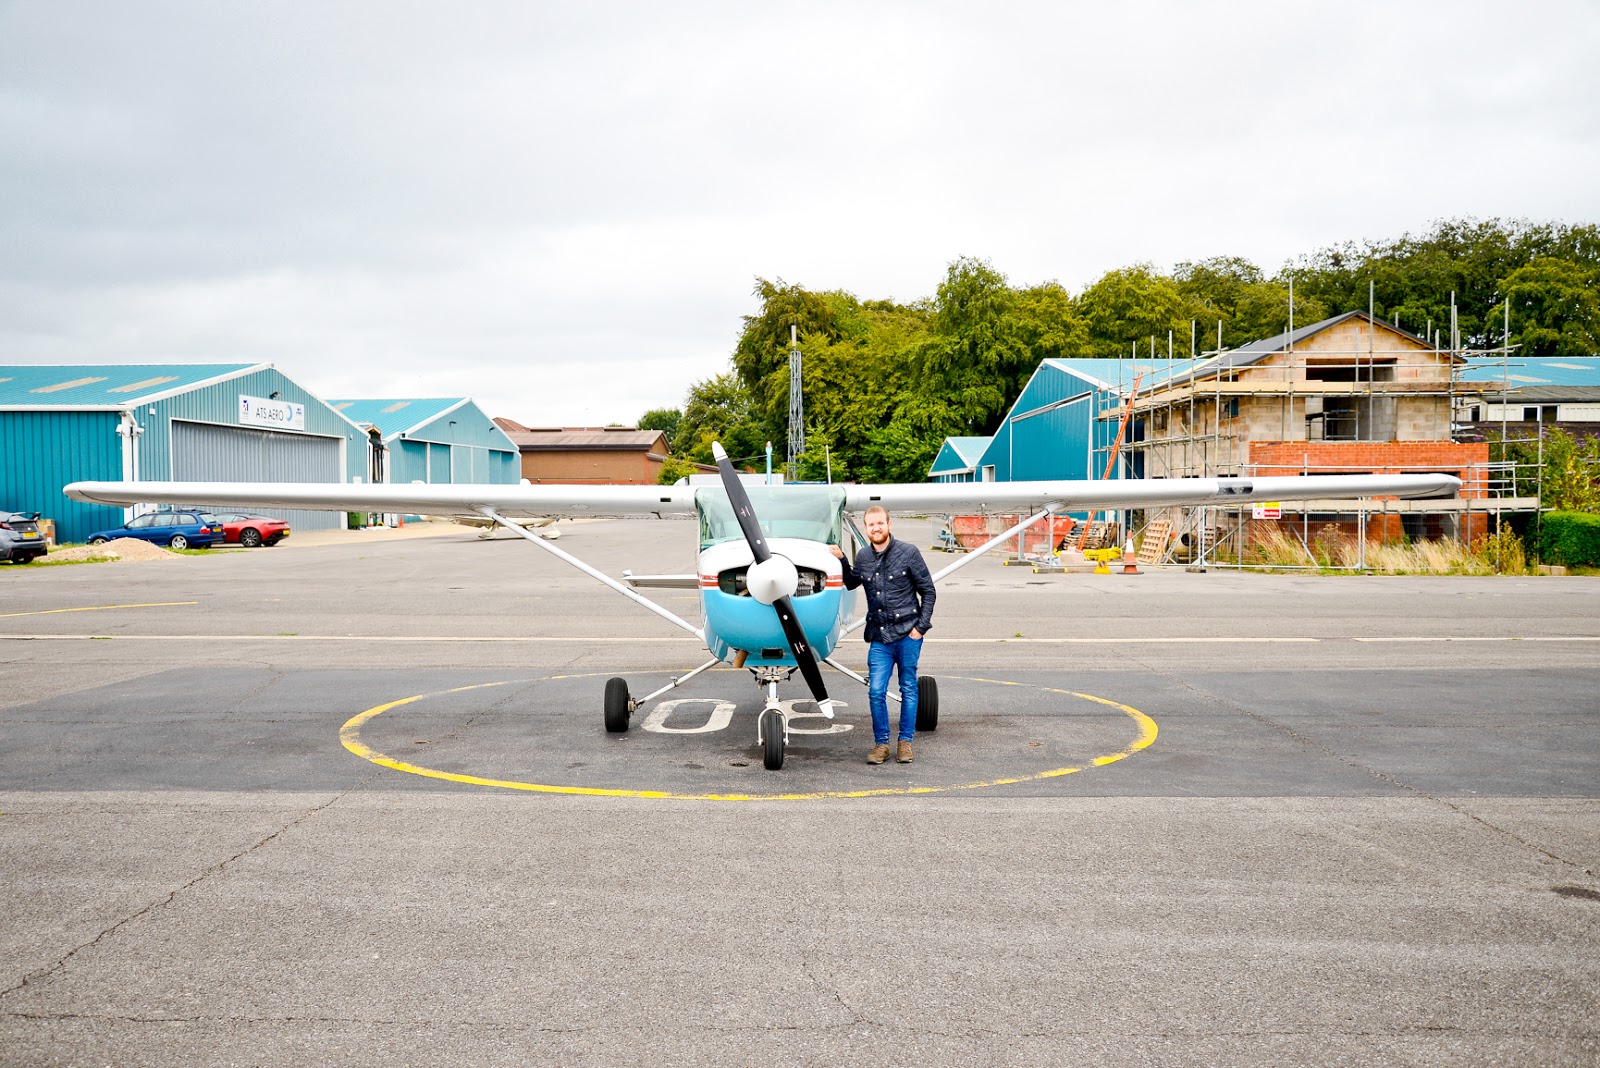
(350, 736)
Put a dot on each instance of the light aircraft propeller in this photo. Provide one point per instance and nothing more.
(772, 579)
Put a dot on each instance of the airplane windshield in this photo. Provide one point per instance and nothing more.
(815, 513)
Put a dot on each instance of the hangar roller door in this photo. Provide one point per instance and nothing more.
(203, 452)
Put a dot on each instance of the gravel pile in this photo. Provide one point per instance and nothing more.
(120, 549)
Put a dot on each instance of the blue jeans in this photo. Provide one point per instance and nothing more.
(881, 659)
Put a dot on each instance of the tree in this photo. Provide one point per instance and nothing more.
(1415, 276)
(719, 409)
(665, 420)
(1128, 306)
(1555, 308)
(977, 357)
(673, 469)
(1233, 291)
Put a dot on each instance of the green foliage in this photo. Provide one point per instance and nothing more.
(665, 420)
(1414, 276)
(978, 356)
(1250, 306)
(1502, 552)
(719, 409)
(1129, 306)
(1555, 306)
(674, 469)
(1564, 473)
(1571, 539)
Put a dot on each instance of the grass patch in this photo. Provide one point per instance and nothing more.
(1333, 550)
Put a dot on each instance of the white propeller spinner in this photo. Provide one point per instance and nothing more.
(773, 578)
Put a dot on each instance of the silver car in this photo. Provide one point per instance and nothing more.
(20, 539)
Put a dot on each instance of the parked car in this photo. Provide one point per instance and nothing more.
(180, 530)
(20, 539)
(252, 530)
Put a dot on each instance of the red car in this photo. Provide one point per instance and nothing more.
(252, 530)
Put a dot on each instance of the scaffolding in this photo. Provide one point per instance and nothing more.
(1200, 418)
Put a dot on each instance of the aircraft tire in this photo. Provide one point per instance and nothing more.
(772, 740)
(617, 710)
(927, 703)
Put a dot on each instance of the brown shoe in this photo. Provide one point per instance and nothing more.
(879, 754)
(903, 752)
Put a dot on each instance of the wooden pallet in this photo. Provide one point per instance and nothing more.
(1156, 536)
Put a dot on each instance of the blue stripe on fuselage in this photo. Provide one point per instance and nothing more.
(742, 622)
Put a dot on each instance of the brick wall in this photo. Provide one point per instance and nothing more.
(1373, 457)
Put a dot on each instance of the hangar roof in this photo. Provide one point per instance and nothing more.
(1116, 376)
(621, 438)
(394, 416)
(107, 386)
(1526, 371)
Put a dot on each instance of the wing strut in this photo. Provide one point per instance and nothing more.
(639, 599)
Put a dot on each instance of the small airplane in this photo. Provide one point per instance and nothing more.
(772, 594)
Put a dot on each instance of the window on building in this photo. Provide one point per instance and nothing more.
(1359, 371)
(1352, 419)
(1547, 413)
(1530, 415)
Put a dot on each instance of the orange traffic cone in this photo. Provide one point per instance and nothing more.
(1129, 560)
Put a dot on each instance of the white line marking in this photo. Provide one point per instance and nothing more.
(1498, 638)
(611, 640)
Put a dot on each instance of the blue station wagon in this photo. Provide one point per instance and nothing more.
(180, 530)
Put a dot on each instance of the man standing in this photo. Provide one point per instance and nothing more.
(900, 599)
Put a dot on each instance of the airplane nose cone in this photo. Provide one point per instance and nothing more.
(772, 579)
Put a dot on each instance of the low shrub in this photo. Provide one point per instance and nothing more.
(1571, 539)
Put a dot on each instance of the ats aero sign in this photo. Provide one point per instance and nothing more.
(278, 414)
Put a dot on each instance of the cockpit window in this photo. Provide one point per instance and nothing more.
(815, 513)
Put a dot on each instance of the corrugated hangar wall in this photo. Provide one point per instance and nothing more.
(203, 452)
(196, 435)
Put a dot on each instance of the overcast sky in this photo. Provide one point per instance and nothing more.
(560, 209)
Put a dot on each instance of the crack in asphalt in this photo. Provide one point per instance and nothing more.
(41, 974)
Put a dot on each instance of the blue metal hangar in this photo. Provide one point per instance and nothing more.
(1059, 428)
(164, 422)
(435, 439)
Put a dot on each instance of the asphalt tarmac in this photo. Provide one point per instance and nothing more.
(349, 800)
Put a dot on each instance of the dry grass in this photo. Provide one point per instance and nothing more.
(1331, 549)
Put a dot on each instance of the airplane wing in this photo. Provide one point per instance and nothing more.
(1081, 495)
(466, 501)
(915, 497)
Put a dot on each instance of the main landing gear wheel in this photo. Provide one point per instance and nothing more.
(772, 739)
(617, 701)
(927, 704)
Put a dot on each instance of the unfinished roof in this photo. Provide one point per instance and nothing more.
(1256, 351)
(107, 386)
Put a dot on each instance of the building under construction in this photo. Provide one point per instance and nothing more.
(1348, 395)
